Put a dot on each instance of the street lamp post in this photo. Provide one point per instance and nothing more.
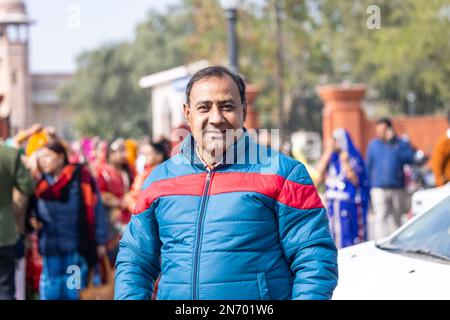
(230, 7)
(411, 98)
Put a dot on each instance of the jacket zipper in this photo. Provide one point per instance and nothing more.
(201, 218)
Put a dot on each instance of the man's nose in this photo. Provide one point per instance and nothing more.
(215, 116)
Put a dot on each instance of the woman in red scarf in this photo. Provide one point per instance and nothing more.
(69, 216)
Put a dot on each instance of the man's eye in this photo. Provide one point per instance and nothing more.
(203, 108)
(228, 107)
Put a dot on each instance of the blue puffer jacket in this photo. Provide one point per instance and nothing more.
(251, 229)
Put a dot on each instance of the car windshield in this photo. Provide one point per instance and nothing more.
(428, 236)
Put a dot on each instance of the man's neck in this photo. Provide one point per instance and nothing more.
(208, 160)
(211, 161)
(389, 139)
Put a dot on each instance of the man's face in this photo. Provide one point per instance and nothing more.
(215, 106)
(381, 130)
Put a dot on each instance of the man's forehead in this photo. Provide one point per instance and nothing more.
(215, 85)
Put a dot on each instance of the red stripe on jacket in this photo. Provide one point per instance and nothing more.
(300, 196)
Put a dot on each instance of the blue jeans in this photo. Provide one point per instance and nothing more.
(63, 276)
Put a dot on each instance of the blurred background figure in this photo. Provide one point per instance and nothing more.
(440, 161)
(154, 153)
(131, 150)
(20, 140)
(31, 139)
(342, 169)
(386, 157)
(26, 141)
(67, 213)
(13, 174)
(99, 155)
(114, 179)
(141, 159)
(298, 155)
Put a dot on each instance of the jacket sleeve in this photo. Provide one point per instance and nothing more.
(305, 238)
(22, 178)
(138, 262)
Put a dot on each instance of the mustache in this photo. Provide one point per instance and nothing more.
(214, 131)
(222, 131)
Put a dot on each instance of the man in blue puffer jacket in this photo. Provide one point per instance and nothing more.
(246, 223)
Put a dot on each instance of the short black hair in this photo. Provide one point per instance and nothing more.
(386, 121)
(216, 71)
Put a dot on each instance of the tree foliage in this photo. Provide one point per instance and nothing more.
(408, 55)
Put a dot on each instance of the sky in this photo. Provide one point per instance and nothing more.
(64, 28)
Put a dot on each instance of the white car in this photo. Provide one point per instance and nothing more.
(412, 263)
(423, 200)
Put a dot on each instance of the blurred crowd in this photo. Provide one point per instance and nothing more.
(72, 201)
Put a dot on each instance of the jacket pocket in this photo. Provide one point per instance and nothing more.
(262, 285)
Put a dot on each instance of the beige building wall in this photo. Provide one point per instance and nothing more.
(46, 103)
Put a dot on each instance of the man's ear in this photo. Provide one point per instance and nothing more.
(187, 113)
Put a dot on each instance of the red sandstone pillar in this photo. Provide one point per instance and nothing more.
(343, 108)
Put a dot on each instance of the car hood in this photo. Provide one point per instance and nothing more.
(424, 200)
(366, 272)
